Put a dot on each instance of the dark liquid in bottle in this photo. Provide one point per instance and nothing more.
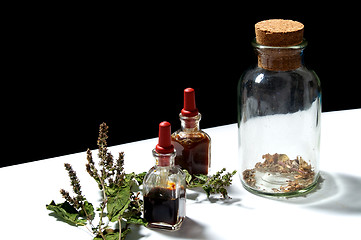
(160, 206)
(192, 153)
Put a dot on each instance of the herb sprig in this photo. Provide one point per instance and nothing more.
(120, 201)
(212, 184)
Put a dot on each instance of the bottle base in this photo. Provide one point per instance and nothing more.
(166, 226)
(267, 186)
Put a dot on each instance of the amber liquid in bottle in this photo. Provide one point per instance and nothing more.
(193, 146)
(192, 152)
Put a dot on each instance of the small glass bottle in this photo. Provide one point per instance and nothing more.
(164, 186)
(279, 111)
(193, 146)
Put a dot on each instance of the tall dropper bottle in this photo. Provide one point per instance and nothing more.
(193, 146)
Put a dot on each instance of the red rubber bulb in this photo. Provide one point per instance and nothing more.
(164, 145)
(189, 106)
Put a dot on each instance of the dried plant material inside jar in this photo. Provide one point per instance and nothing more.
(278, 173)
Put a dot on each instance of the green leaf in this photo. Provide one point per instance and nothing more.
(129, 177)
(207, 189)
(67, 213)
(118, 204)
(111, 190)
(202, 177)
(140, 177)
(137, 220)
(89, 210)
(196, 180)
(188, 176)
(113, 234)
(108, 236)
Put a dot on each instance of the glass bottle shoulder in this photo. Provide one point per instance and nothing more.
(262, 92)
(263, 77)
(195, 136)
(157, 173)
(157, 170)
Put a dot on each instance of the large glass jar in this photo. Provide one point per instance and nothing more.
(279, 111)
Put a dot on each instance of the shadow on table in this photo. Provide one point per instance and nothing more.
(135, 232)
(336, 192)
(190, 229)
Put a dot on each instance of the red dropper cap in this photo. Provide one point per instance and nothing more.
(189, 107)
(164, 145)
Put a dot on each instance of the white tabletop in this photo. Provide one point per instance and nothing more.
(333, 210)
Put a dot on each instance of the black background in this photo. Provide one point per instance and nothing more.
(69, 68)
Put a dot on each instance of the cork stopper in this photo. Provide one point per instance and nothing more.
(279, 32)
(275, 36)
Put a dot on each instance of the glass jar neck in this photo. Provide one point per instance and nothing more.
(190, 124)
(164, 160)
(279, 58)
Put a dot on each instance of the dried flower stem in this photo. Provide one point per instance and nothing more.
(75, 183)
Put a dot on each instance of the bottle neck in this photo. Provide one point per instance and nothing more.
(164, 160)
(280, 58)
(190, 124)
